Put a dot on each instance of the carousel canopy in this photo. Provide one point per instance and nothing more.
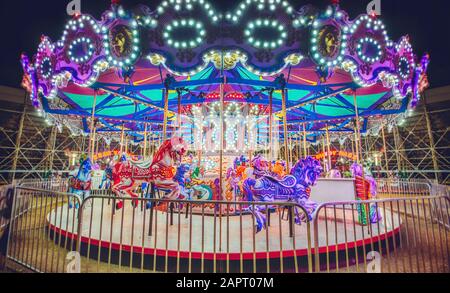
(121, 68)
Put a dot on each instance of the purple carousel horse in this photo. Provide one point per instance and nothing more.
(292, 188)
(261, 166)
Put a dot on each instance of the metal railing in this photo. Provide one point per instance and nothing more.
(31, 243)
(185, 238)
(56, 184)
(6, 195)
(399, 235)
(153, 235)
(4, 214)
(391, 188)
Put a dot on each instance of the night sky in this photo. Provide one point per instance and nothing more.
(24, 21)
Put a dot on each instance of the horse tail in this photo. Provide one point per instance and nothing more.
(247, 186)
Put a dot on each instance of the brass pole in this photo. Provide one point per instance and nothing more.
(250, 151)
(166, 113)
(291, 157)
(222, 97)
(97, 142)
(304, 140)
(356, 144)
(285, 130)
(353, 147)
(324, 156)
(122, 138)
(271, 126)
(94, 140)
(358, 131)
(179, 114)
(144, 152)
(94, 105)
(328, 148)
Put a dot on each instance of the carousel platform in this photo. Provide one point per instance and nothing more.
(202, 243)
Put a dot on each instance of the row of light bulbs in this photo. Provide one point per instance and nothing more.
(259, 23)
(363, 43)
(86, 43)
(180, 5)
(185, 23)
(73, 24)
(80, 23)
(262, 5)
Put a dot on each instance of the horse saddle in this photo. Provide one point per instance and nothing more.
(144, 164)
(133, 169)
(77, 184)
(287, 182)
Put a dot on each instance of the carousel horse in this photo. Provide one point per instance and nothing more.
(232, 184)
(261, 166)
(196, 173)
(159, 172)
(80, 184)
(180, 177)
(202, 192)
(292, 188)
(107, 178)
(192, 188)
(236, 176)
(366, 189)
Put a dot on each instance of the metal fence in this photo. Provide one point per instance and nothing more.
(409, 234)
(57, 184)
(401, 235)
(6, 195)
(391, 188)
(181, 239)
(29, 242)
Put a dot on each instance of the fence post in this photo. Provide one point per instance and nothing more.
(80, 225)
(316, 239)
(10, 224)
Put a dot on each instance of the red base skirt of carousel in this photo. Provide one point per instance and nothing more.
(196, 247)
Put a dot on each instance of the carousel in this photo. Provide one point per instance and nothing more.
(183, 102)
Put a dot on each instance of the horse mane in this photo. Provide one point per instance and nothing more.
(305, 164)
(82, 167)
(159, 155)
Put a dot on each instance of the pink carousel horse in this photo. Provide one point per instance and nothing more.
(160, 171)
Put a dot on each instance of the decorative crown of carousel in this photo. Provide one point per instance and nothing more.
(264, 38)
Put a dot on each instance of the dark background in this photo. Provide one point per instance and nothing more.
(427, 22)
